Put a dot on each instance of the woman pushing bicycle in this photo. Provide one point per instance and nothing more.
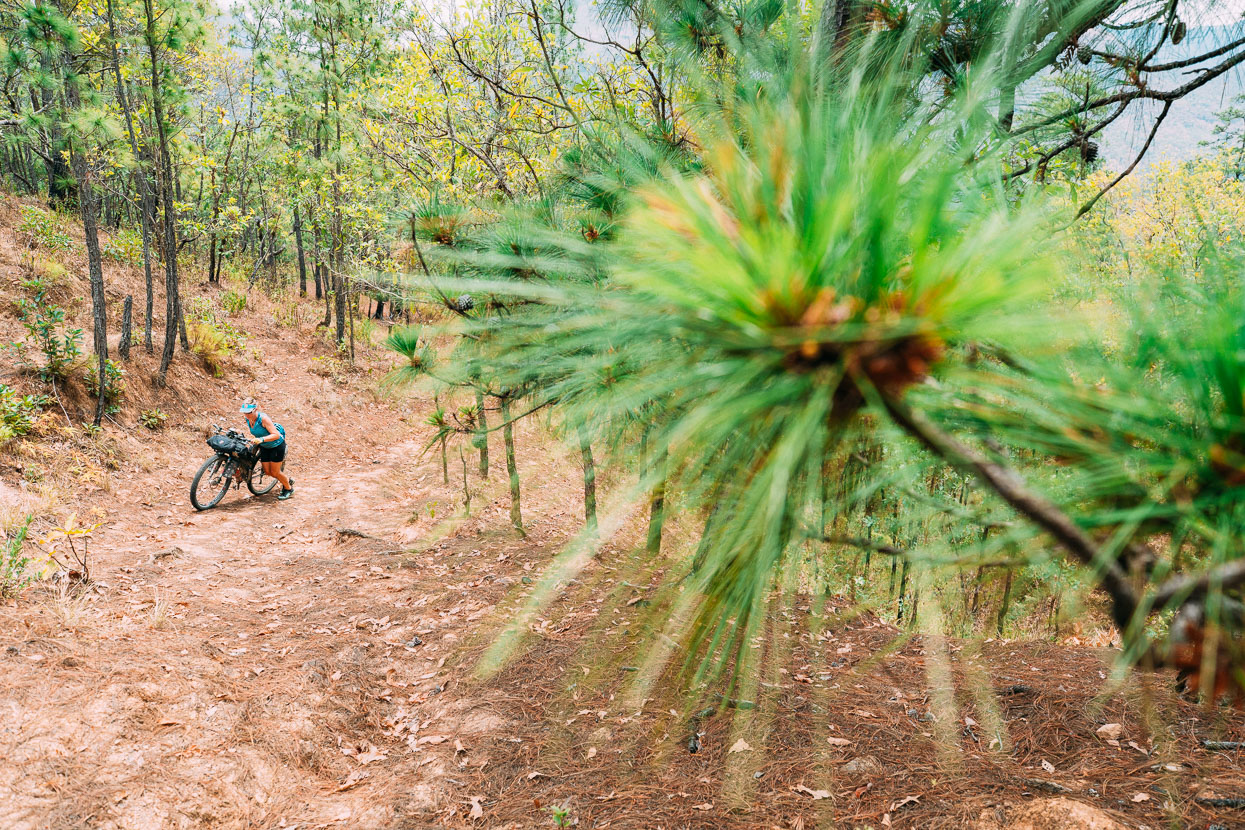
(271, 440)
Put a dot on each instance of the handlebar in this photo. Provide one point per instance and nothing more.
(232, 433)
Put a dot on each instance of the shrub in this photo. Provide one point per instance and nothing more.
(365, 328)
(42, 319)
(43, 229)
(114, 380)
(287, 314)
(233, 301)
(125, 246)
(211, 344)
(204, 312)
(15, 566)
(17, 414)
(51, 272)
(152, 418)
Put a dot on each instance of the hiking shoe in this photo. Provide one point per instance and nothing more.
(285, 494)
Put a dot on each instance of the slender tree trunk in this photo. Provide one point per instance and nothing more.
(350, 309)
(445, 462)
(183, 336)
(127, 321)
(903, 591)
(657, 507)
(1005, 605)
(302, 261)
(462, 456)
(590, 480)
(172, 304)
(339, 303)
(482, 438)
(328, 297)
(507, 432)
(88, 207)
(212, 275)
(707, 533)
(60, 176)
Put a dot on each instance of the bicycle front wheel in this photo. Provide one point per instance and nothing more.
(210, 483)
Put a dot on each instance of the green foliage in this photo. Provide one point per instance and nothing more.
(43, 229)
(287, 314)
(125, 246)
(561, 815)
(212, 342)
(17, 414)
(43, 320)
(114, 380)
(1151, 437)
(410, 343)
(758, 314)
(152, 419)
(365, 329)
(54, 275)
(234, 302)
(17, 569)
(440, 223)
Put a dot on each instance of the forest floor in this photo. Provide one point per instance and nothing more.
(313, 663)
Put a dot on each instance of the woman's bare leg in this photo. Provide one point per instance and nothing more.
(273, 469)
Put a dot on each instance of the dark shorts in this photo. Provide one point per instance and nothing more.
(267, 453)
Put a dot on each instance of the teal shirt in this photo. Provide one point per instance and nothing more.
(260, 431)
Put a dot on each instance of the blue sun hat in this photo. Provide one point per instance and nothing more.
(248, 407)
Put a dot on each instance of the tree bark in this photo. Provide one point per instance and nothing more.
(302, 260)
(482, 438)
(590, 480)
(657, 507)
(88, 208)
(127, 321)
(172, 299)
(507, 432)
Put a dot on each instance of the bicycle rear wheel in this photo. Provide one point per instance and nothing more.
(213, 478)
(258, 483)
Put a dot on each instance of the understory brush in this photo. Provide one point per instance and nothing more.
(18, 412)
(16, 568)
(114, 383)
(43, 229)
(59, 347)
(213, 339)
(125, 246)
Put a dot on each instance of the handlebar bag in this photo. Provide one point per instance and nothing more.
(227, 445)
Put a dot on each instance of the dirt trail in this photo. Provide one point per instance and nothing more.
(255, 667)
(248, 666)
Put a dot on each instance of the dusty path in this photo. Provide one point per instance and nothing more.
(249, 666)
(206, 632)
(254, 667)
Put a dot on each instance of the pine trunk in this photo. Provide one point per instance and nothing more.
(302, 260)
(657, 507)
(172, 306)
(127, 322)
(483, 436)
(507, 432)
(590, 481)
(88, 208)
(1005, 605)
(145, 207)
